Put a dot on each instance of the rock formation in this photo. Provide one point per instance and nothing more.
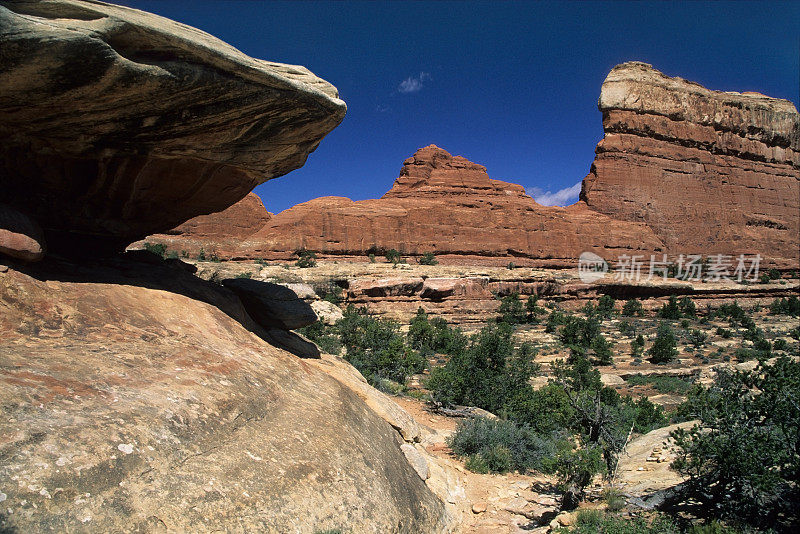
(118, 123)
(137, 397)
(708, 171)
(681, 170)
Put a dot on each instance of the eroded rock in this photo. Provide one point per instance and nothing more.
(272, 305)
(118, 123)
(20, 236)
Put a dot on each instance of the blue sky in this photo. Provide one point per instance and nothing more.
(512, 85)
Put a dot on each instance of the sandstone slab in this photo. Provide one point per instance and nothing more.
(173, 123)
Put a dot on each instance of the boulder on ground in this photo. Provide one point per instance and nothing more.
(20, 236)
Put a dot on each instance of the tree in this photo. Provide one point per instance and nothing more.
(511, 310)
(306, 258)
(393, 256)
(605, 306)
(743, 459)
(533, 309)
(490, 373)
(664, 348)
(633, 307)
(670, 310)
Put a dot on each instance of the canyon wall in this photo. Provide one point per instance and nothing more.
(680, 170)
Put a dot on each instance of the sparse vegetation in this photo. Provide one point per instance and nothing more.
(393, 256)
(633, 307)
(664, 349)
(428, 259)
(306, 259)
(743, 460)
(160, 249)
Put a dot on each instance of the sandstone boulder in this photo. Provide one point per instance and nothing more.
(136, 397)
(118, 123)
(272, 305)
(327, 312)
(20, 236)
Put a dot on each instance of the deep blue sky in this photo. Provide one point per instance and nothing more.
(512, 86)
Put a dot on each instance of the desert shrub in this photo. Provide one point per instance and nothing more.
(633, 307)
(662, 383)
(743, 459)
(614, 498)
(489, 373)
(697, 338)
(685, 324)
(598, 522)
(627, 328)
(733, 312)
(201, 255)
(511, 310)
(306, 259)
(779, 344)
(428, 259)
(554, 320)
(576, 464)
(605, 306)
(785, 306)
(376, 348)
(637, 346)
(371, 257)
(246, 274)
(550, 399)
(687, 307)
(434, 335)
(602, 350)
(501, 445)
(670, 310)
(664, 348)
(795, 332)
(724, 333)
(533, 309)
(326, 337)
(774, 274)
(159, 249)
(393, 256)
(511, 266)
(579, 332)
(648, 416)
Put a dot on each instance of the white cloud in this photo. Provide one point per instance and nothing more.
(413, 84)
(562, 197)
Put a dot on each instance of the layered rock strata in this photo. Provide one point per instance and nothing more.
(707, 171)
(118, 123)
(681, 170)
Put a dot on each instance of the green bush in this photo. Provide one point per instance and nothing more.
(579, 332)
(511, 310)
(434, 335)
(306, 259)
(785, 306)
(664, 348)
(743, 460)
(376, 348)
(633, 307)
(697, 338)
(779, 344)
(489, 373)
(661, 383)
(724, 333)
(598, 522)
(605, 306)
(159, 249)
(501, 446)
(533, 309)
(326, 337)
(554, 320)
(671, 310)
(428, 259)
(393, 256)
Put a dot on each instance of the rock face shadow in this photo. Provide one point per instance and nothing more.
(270, 311)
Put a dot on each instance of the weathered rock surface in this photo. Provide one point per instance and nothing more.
(117, 123)
(272, 305)
(681, 170)
(20, 236)
(708, 171)
(137, 397)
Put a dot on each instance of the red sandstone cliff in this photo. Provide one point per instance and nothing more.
(681, 169)
(708, 171)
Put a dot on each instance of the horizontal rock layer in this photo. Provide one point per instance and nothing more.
(681, 170)
(117, 123)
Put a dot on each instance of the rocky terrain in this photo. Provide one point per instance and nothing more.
(681, 170)
(135, 395)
